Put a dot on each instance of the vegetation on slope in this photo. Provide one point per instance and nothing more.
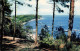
(25, 18)
(20, 31)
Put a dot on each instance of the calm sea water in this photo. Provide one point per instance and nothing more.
(60, 20)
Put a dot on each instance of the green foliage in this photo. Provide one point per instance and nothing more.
(70, 47)
(9, 29)
(63, 37)
(62, 3)
(48, 41)
(60, 0)
(20, 31)
(75, 48)
(30, 49)
(73, 36)
(60, 34)
(7, 9)
(28, 29)
(60, 43)
(44, 33)
(20, 19)
(24, 18)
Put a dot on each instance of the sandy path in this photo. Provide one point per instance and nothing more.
(20, 45)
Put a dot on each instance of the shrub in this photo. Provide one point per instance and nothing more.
(70, 47)
(50, 43)
(44, 33)
(73, 36)
(75, 48)
(60, 34)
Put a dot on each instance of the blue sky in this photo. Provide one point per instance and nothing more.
(44, 8)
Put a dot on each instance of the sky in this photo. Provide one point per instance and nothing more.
(44, 8)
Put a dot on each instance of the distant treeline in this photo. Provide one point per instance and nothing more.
(25, 18)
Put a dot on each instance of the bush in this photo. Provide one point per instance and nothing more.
(47, 41)
(73, 36)
(50, 43)
(44, 33)
(60, 34)
(60, 43)
(75, 48)
(20, 31)
(69, 46)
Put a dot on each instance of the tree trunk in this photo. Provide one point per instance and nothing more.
(53, 18)
(2, 23)
(0, 20)
(71, 18)
(36, 21)
(15, 23)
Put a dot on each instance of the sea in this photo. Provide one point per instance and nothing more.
(59, 20)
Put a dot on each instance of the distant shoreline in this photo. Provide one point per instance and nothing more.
(32, 20)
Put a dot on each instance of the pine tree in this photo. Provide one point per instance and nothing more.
(36, 21)
(4, 11)
(71, 18)
(15, 23)
(58, 9)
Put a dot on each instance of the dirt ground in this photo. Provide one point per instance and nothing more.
(20, 45)
(17, 45)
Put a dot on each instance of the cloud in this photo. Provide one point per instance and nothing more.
(44, 8)
(45, 11)
(77, 7)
